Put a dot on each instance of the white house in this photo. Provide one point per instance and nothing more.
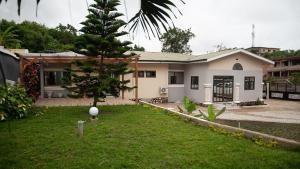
(225, 76)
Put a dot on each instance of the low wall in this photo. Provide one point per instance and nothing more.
(248, 133)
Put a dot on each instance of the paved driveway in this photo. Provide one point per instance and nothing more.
(275, 111)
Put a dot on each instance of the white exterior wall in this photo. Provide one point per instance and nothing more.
(196, 69)
(149, 87)
(251, 67)
(176, 91)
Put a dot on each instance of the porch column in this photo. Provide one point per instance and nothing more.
(208, 95)
(237, 93)
(268, 91)
(42, 93)
(262, 92)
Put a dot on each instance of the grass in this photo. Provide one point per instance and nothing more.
(129, 137)
(285, 130)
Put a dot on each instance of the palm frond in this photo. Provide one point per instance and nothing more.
(19, 5)
(153, 15)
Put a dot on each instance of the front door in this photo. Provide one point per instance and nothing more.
(223, 89)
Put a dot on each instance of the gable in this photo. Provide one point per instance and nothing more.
(245, 61)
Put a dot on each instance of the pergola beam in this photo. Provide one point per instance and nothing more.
(132, 61)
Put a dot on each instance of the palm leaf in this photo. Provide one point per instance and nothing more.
(19, 5)
(152, 15)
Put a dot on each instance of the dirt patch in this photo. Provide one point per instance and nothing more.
(285, 130)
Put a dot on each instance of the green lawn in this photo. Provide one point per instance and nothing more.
(129, 137)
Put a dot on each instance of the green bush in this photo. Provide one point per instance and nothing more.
(14, 103)
(188, 105)
(211, 113)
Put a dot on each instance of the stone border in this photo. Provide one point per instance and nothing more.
(247, 133)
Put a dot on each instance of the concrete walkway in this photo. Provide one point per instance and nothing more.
(279, 111)
(80, 102)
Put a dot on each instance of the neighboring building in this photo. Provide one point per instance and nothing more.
(284, 67)
(262, 50)
(10, 64)
(225, 76)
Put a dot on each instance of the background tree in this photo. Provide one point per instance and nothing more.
(101, 30)
(295, 78)
(176, 40)
(37, 37)
(138, 48)
(9, 38)
(283, 54)
(152, 15)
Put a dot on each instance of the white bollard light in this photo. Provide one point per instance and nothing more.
(93, 112)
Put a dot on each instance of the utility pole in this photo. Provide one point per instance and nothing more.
(253, 34)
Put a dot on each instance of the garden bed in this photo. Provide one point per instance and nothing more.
(285, 130)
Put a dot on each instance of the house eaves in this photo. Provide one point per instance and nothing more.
(241, 51)
(2, 50)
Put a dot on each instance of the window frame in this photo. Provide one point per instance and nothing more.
(194, 86)
(249, 83)
(149, 71)
(170, 78)
(63, 74)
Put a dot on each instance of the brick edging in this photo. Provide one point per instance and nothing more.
(248, 133)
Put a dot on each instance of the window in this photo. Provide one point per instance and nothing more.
(176, 77)
(151, 74)
(249, 83)
(54, 78)
(141, 74)
(194, 82)
(237, 66)
(148, 74)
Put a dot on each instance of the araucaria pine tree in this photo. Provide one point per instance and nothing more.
(98, 79)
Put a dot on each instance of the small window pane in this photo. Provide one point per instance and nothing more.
(194, 82)
(237, 66)
(151, 74)
(249, 83)
(176, 77)
(141, 73)
(54, 78)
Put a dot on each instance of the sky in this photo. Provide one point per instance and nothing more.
(214, 22)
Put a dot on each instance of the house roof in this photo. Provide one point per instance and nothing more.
(2, 50)
(61, 54)
(160, 57)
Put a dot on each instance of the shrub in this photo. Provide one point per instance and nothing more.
(14, 102)
(211, 113)
(32, 80)
(188, 105)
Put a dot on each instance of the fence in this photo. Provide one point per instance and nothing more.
(283, 91)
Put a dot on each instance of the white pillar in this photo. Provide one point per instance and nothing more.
(262, 92)
(208, 94)
(237, 93)
(268, 91)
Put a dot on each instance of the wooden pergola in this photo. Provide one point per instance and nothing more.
(26, 59)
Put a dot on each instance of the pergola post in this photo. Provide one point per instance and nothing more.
(122, 90)
(136, 81)
(42, 91)
(21, 70)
